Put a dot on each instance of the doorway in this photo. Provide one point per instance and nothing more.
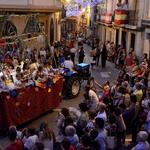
(116, 40)
(123, 39)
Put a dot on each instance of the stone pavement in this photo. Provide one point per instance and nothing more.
(101, 75)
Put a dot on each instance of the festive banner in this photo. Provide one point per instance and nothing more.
(121, 17)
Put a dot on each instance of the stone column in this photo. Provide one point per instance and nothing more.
(128, 41)
(120, 36)
(138, 44)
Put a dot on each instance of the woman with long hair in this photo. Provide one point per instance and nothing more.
(47, 137)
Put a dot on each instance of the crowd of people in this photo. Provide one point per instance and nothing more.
(100, 122)
(20, 68)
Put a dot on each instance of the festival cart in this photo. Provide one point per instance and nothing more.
(26, 104)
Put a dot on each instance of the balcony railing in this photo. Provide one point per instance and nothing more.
(146, 22)
(118, 17)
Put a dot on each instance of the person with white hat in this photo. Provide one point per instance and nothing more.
(142, 141)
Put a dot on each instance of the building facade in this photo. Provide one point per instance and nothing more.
(21, 17)
(146, 25)
(120, 21)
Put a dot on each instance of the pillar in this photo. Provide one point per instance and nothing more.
(138, 44)
(120, 36)
(128, 41)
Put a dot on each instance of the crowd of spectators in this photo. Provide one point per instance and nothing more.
(100, 122)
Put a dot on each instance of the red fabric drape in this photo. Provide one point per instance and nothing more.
(30, 103)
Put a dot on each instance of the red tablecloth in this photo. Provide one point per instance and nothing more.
(30, 103)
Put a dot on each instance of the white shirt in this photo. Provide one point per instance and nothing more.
(101, 139)
(94, 99)
(28, 50)
(68, 64)
(79, 39)
(73, 50)
(43, 52)
(48, 144)
(142, 146)
(30, 141)
(102, 115)
(17, 83)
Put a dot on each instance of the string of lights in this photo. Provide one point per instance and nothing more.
(74, 7)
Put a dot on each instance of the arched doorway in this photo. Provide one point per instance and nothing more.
(51, 31)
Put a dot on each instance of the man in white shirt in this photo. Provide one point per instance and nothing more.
(68, 63)
(93, 99)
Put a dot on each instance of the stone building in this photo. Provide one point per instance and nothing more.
(120, 21)
(146, 25)
(28, 17)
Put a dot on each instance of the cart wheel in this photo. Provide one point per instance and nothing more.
(73, 87)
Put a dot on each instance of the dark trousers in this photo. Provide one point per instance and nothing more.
(73, 57)
(81, 58)
(97, 59)
(103, 62)
(134, 131)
